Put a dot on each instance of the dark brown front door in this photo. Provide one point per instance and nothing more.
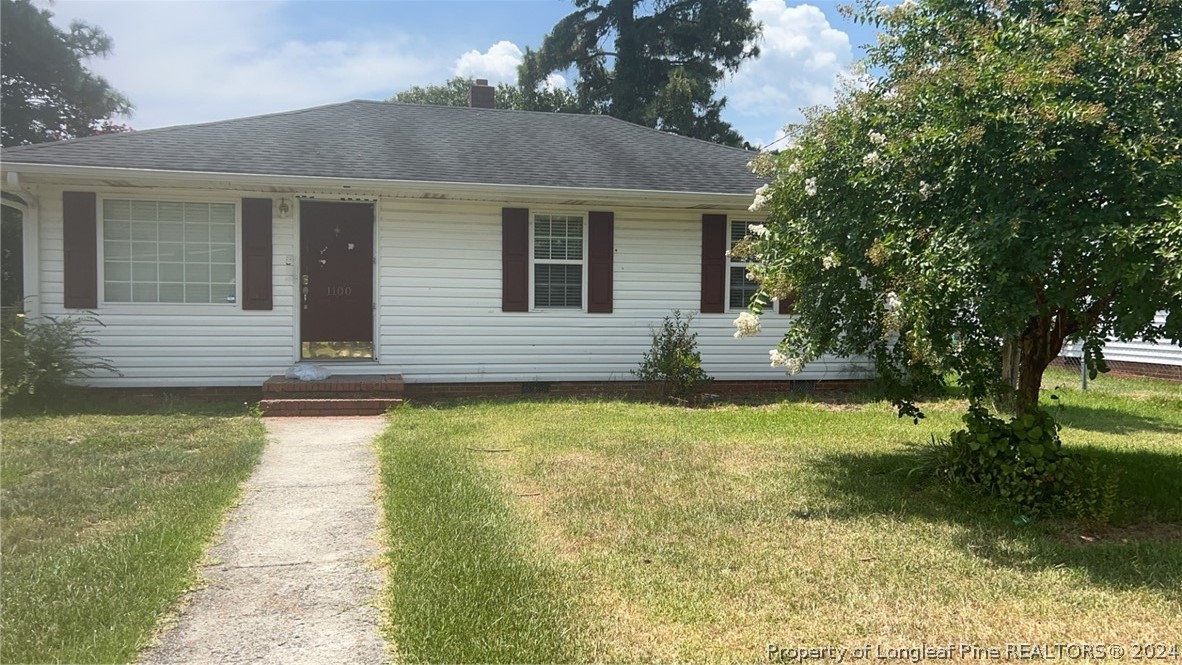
(336, 279)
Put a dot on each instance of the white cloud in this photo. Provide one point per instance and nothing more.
(498, 64)
(800, 61)
(779, 139)
(182, 62)
(554, 82)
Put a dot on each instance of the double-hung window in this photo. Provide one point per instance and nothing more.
(558, 261)
(739, 288)
(169, 252)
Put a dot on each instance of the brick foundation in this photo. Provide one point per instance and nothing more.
(156, 396)
(632, 389)
(1129, 369)
(1146, 370)
(339, 395)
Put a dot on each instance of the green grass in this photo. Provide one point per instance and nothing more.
(705, 534)
(1133, 426)
(464, 587)
(105, 512)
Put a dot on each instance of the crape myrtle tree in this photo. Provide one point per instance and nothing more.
(1006, 179)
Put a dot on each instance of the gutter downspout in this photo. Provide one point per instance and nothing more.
(31, 241)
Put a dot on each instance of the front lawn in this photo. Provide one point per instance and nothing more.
(623, 531)
(104, 516)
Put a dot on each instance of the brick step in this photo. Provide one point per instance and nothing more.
(371, 406)
(333, 394)
(358, 386)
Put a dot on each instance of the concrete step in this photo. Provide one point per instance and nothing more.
(370, 406)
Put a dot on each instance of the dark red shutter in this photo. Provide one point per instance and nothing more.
(256, 254)
(514, 260)
(80, 241)
(714, 238)
(787, 304)
(600, 257)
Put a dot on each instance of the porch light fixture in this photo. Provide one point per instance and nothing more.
(284, 207)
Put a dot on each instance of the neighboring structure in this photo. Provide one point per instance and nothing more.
(1162, 360)
(448, 245)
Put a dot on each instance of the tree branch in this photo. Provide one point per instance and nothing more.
(593, 56)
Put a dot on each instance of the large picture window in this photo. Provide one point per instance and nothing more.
(558, 261)
(739, 288)
(168, 252)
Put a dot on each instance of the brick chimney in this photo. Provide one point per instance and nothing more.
(481, 95)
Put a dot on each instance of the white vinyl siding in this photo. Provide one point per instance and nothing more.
(1163, 352)
(558, 252)
(440, 317)
(179, 344)
(168, 251)
(438, 309)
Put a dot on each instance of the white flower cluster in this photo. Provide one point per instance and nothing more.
(905, 7)
(747, 325)
(877, 138)
(794, 167)
(760, 199)
(763, 165)
(758, 230)
(892, 301)
(791, 364)
(925, 190)
(871, 159)
(830, 261)
(810, 187)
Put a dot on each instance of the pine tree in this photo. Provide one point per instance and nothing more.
(663, 67)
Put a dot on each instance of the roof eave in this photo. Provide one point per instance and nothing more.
(484, 191)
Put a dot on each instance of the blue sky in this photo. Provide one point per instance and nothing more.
(187, 61)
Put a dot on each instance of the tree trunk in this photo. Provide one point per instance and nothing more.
(1040, 343)
(1029, 381)
(627, 81)
(1011, 358)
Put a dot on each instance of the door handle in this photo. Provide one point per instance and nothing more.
(304, 281)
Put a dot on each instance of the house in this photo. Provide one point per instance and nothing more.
(451, 245)
(1157, 360)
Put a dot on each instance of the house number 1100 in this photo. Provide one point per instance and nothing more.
(340, 290)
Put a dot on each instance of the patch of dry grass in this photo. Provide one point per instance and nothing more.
(705, 534)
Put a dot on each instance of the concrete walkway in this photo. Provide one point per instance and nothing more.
(293, 581)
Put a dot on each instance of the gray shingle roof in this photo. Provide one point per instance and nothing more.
(389, 141)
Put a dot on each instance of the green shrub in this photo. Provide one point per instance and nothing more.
(674, 361)
(1022, 462)
(38, 358)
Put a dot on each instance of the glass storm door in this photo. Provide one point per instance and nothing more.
(336, 280)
